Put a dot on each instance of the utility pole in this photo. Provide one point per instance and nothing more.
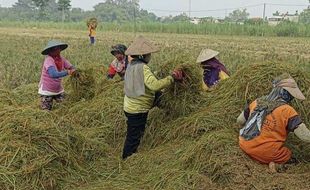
(135, 25)
(190, 9)
(63, 14)
(264, 12)
(134, 16)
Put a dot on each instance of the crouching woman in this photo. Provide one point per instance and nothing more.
(267, 122)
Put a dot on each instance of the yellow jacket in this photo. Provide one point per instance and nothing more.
(144, 103)
(92, 32)
(222, 76)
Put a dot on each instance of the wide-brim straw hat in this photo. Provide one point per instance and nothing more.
(206, 54)
(52, 44)
(291, 86)
(141, 46)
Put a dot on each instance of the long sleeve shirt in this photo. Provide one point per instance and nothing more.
(51, 79)
(92, 32)
(53, 73)
(117, 67)
(144, 103)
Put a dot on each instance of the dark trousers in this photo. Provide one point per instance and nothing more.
(135, 130)
(92, 40)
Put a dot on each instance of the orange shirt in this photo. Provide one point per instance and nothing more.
(269, 145)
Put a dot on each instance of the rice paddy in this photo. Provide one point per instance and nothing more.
(191, 142)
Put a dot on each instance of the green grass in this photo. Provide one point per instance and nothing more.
(285, 29)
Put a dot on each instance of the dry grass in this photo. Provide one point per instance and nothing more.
(78, 144)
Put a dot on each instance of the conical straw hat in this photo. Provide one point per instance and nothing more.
(289, 84)
(53, 43)
(141, 46)
(206, 54)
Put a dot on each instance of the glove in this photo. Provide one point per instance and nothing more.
(178, 75)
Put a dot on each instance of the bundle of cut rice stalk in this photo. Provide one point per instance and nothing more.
(83, 84)
(40, 150)
(185, 96)
(92, 22)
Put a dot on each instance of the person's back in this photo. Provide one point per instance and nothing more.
(267, 121)
(269, 145)
(144, 102)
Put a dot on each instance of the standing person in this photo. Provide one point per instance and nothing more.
(92, 34)
(268, 120)
(213, 70)
(55, 67)
(119, 64)
(140, 88)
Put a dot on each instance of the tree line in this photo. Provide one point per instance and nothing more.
(61, 10)
(118, 11)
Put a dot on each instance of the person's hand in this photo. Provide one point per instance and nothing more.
(123, 72)
(178, 75)
(109, 76)
(71, 71)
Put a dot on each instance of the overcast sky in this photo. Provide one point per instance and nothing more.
(199, 8)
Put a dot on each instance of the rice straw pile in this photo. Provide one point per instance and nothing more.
(200, 150)
(83, 84)
(182, 97)
(39, 149)
(195, 146)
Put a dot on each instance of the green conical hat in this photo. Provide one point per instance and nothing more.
(53, 43)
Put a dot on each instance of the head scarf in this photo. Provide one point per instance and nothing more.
(212, 68)
(58, 61)
(277, 94)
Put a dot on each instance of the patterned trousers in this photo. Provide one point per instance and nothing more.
(47, 101)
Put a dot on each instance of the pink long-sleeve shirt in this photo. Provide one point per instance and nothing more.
(49, 84)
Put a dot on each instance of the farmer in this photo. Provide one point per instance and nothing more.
(119, 64)
(140, 88)
(268, 120)
(213, 70)
(92, 33)
(55, 67)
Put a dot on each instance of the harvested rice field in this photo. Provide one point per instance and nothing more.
(191, 142)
